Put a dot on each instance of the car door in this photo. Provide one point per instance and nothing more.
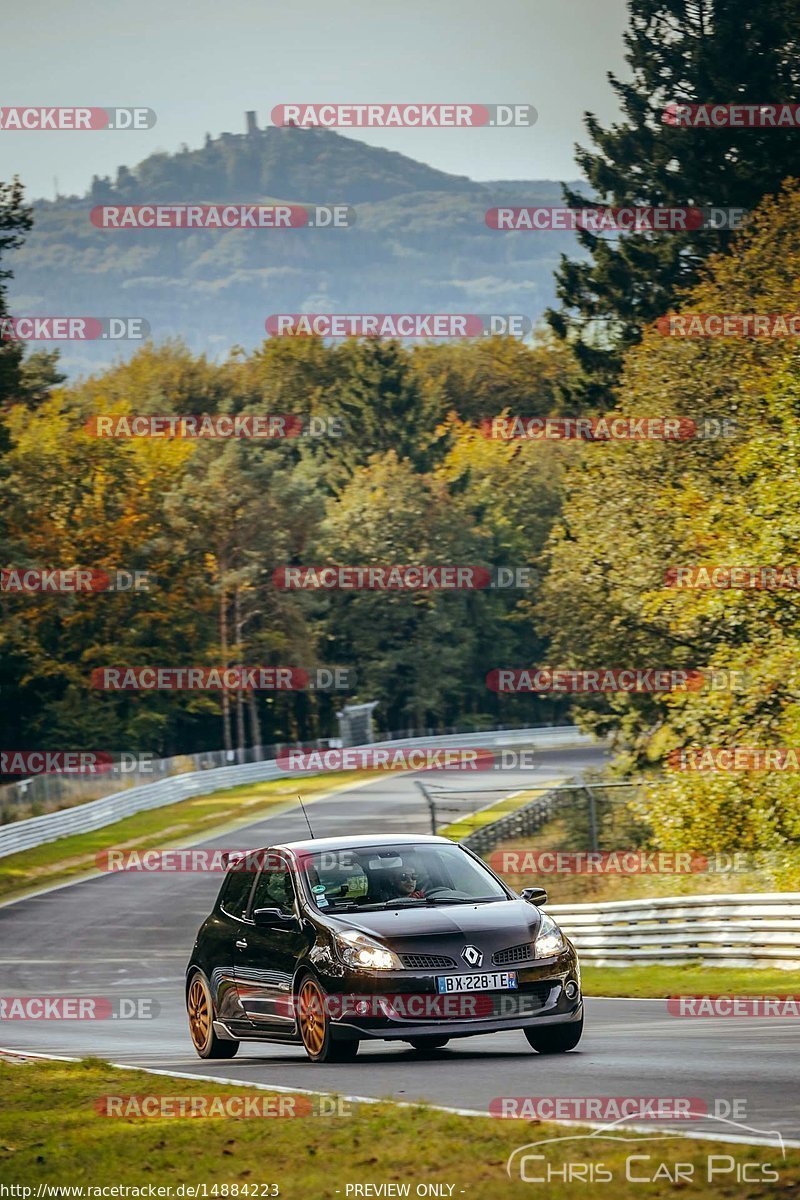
(266, 958)
(221, 933)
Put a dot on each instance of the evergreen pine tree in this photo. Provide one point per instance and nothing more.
(15, 219)
(689, 52)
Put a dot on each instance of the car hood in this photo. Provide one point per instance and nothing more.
(435, 928)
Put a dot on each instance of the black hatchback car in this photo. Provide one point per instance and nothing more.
(331, 942)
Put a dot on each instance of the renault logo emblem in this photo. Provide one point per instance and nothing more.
(472, 955)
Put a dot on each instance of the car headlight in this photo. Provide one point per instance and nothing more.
(549, 939)
(358, 950)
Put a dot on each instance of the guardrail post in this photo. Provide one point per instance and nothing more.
(430, 802)
(592, 817)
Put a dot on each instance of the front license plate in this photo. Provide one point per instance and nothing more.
(492, 981)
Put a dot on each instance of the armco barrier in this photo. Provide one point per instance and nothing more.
(520, 823)
(744, 930)
(84, 818)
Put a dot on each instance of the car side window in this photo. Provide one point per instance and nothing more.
(274, 889)
(236, 890)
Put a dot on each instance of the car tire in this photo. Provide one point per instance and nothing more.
(424, 1044)
(200, 1009)
(555, 1039)
(315, 1027)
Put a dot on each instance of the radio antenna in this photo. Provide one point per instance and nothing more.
(305, 814)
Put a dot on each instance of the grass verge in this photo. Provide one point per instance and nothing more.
(51, 1134)
(662, 981)
(59, 861)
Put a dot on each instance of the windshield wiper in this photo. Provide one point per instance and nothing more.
(407, 902)
(422, 901)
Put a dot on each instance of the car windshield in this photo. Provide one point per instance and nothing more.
(404, 875)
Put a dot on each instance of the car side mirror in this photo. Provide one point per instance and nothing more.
(534, 895)
(271, 918)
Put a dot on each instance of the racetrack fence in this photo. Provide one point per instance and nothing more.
(84, 818)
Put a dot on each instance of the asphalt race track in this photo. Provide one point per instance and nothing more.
(129, 934)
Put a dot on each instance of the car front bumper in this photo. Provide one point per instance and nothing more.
(407, 1004)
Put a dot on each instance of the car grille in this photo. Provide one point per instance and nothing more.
(427, 962)
(509, 1005)
(514, 954)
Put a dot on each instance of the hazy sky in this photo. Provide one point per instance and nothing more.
(201, 64)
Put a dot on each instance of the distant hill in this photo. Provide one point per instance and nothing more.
(420, 244)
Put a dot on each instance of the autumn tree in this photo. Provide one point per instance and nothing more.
(635, 510)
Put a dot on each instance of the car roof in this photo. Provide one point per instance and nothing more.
(315, 845)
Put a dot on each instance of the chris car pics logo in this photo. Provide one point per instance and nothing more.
(579, 1158)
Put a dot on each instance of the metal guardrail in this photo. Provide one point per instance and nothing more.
(85, 818)
(742, 930)
(63, 791)
(52, 792)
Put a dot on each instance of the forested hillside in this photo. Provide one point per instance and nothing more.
(419, 244)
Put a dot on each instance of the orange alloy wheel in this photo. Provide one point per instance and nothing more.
(199, 1014)
(312, 1016)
